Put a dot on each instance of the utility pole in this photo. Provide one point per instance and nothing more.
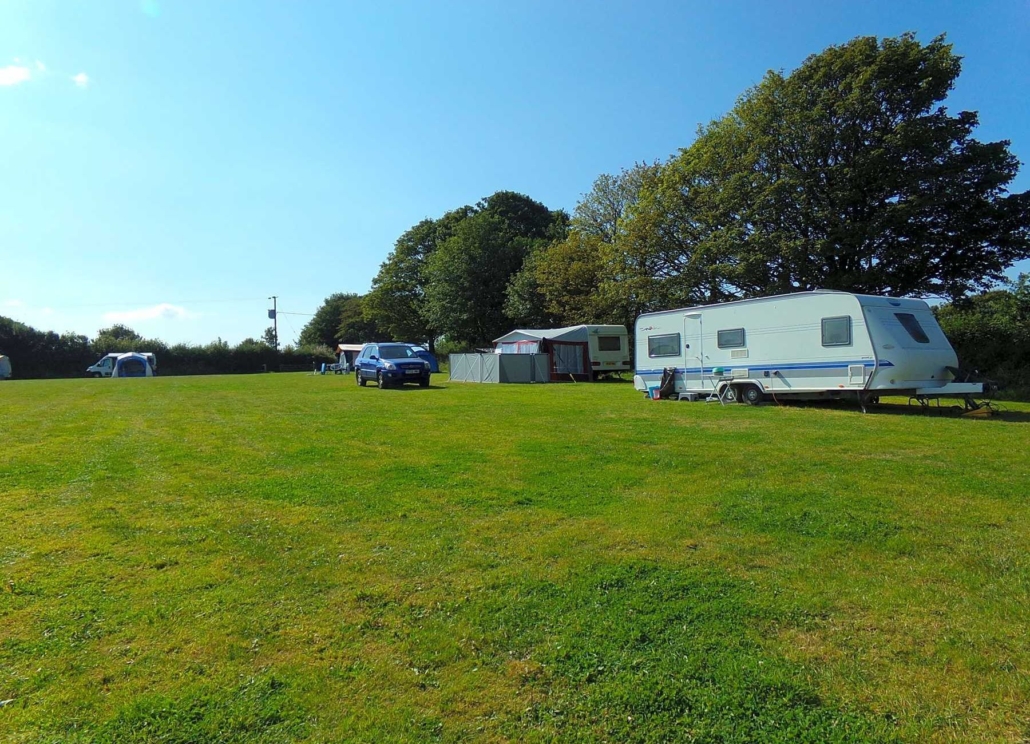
(274, 316)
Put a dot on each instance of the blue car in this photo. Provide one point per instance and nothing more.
(390, 364)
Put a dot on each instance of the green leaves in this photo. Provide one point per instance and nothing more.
(847, 174)
(452, 276)
(468, 275)
(339, 319)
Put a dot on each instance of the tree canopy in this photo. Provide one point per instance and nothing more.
(396, 302)
(468, 275)
(456, 276)
(355, 326)
(847, 174)
(584, 277)
(340, 318)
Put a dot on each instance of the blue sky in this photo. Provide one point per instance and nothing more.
(171, 164)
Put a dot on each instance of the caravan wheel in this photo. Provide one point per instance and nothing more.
(752, 395)
(731, 395)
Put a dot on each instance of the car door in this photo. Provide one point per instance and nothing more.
(368, 364)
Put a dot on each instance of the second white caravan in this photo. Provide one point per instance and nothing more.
(819, 344)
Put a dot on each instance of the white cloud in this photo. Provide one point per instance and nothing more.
(40, 66)
(14, 74)
(81, 80)
(13, 303)
(164, 311)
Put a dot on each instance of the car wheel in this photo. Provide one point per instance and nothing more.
(752, 395)
(424, 382)
(380, 381)
(357, 376)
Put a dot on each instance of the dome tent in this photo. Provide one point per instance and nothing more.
(5, 368)
(132, 365)
(423, 353)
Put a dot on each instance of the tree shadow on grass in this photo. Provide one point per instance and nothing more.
(945, 410)
(615, 380)
(411, 388)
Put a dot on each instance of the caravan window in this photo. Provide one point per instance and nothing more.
(732, 339)
(837, 331)
(908, 320)
(609, 343)
(663, 346)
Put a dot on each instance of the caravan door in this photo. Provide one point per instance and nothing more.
(693, 351)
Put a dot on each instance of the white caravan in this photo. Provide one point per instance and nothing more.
(810, 345)
(582, 350)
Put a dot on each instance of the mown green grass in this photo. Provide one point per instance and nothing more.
(291, 558)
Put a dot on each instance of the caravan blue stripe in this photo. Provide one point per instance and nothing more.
(770, 368)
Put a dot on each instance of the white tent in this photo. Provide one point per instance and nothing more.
(132, 365)
(5, 368)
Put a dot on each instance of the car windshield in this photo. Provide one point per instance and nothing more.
(396, 352)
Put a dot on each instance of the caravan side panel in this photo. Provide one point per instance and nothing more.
(658, 344)
(794, 344)
(913, 350)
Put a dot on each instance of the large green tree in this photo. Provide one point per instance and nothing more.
(522, 216)
(396, 302)
(525, 303)
(569, 274)
(586, 277)
(468, 275)
(476, 286)
(847, 174)
(340, 318)
(356, 327)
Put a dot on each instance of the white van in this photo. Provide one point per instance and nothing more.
(105, 366)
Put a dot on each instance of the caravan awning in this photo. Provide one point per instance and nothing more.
(571, 333)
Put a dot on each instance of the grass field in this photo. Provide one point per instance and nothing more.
(292, 558)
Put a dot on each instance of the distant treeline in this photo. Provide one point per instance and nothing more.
(991, 333)
(41, 354)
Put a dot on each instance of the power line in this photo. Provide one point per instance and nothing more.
(295, 334)
(151, 303)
